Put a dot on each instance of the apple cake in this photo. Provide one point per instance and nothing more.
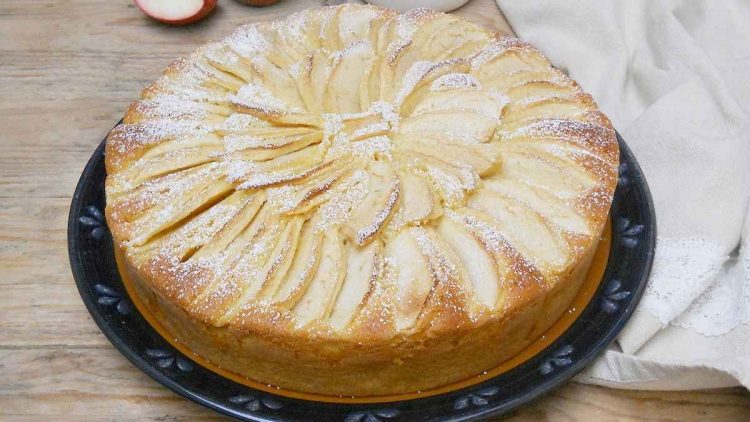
(351, 201)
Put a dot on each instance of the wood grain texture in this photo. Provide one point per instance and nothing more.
(68, 70)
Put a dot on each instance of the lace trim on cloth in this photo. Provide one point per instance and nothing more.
(683, 269)
(726, 303)
(694, 285)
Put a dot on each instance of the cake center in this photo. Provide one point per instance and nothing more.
(368, 134)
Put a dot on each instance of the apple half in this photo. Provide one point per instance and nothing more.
(176, 12)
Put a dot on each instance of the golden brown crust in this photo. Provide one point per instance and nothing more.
(465, 179)
(346, 366)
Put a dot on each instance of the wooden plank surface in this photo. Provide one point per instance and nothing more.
(68, 69)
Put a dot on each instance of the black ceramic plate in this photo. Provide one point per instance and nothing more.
(95, 272)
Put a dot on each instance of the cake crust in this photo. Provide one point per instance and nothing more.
(351, 201)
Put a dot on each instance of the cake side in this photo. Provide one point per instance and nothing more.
(349, 368)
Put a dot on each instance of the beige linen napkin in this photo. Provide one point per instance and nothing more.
(674, 77)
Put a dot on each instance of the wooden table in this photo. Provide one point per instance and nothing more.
(68, 69)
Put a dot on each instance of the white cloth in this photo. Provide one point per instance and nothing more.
(674, 77)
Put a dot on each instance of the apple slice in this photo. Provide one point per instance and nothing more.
(193, 235)
(132, 202)
(417, 201)
(507, 55)
(552, 208)
(465, 99)
(413, 95)
(329, 29)
(221, 56)
(506, 81)
(262, 130)
(562, 182)
(245, 256)
(526, 230)
(396, 50)
(150, 168)
(302, 73)
(320, 72)
(298, 34)
(483, 158)
(429, 44)
(517, 115)
(262, 151)
(572, 163)
(281, 258)
(349, 71)
(480, 267)
(232, 232)
(355, 22)
(309, 193)
(363, 268)
(372, 214)
(170, 214)
(291, 167)
(414, 279)
(541, 90)
(176, 12)
(450, 181)
(303, 268)
(317, 301)
(468, 127)
(445, 36)
(277, 80)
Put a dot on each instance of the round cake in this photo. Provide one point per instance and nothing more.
(351, 201)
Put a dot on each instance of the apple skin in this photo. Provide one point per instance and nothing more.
(205, 10)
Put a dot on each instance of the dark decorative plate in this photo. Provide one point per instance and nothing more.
(631, 254)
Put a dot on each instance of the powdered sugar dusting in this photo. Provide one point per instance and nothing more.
(247, 41)
(200, 230)
(154, 131)
(413, 76)
(497, 48)
(171, 107)
(342, 200)
(569, 130)
(256, 96)
(219, 56)
(453, 81)
(522, 269)
(240, 122)
(381, 145)
(281, 198)
(443, 269)
(238, 143)
(263, 144)
(452, 187)
(387, 113)
(380, 217)
(292, 29)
